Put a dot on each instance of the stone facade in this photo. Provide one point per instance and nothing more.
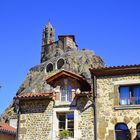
(86, 124)
(36, 120)
(109, 112)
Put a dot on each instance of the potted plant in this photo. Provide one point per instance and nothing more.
(64, 134)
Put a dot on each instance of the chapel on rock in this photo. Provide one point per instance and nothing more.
(56, 94)
(71, 94)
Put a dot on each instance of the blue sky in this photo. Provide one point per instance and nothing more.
(109, 27)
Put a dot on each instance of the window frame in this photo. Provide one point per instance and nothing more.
(66, 121)
(117, 84)
(131, 98)
(67, 89)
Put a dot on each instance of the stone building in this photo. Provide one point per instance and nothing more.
(61, 96)
(117, 102)
(56, 94)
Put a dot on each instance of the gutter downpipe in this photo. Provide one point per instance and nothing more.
(94, 105)
(18, 121)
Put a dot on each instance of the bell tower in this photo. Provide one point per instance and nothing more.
(48, 37)
(48, 34)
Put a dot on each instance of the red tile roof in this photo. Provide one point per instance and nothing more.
(34, 95)
(115, 70)
(5, 128)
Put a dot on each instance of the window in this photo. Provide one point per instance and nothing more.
(49, 67)
(60, 63)
(129, 95)
(122, 132)
(66, 122)
(66, 94)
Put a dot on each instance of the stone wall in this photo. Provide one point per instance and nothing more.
(36, 120)
(108, 113)
(86, 124)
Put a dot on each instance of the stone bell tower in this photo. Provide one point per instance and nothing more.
(48, 37)
(48, 34)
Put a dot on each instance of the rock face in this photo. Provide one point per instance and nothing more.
(8, 114)
(75, 61)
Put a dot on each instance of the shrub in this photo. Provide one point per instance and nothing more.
(64, 134)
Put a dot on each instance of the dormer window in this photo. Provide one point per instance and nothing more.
(66, 94)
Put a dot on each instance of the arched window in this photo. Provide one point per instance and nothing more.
(49, 67)
(66, 94)
(138, 132)
(60, 63)
(122, 132)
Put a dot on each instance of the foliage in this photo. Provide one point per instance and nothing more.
(64, 134)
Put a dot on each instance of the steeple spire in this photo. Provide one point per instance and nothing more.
(48, 34)
(48, 37)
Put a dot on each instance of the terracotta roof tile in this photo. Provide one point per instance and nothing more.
(115, 70)
(33, 95)
(5, 128)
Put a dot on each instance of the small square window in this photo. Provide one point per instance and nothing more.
(66, 94)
